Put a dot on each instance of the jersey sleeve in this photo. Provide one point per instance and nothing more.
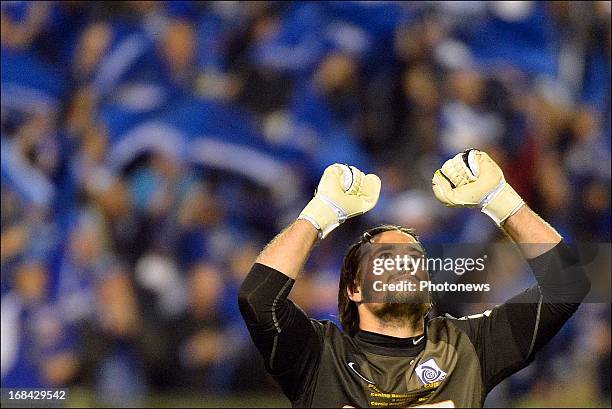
(288, 340)
(507, 337)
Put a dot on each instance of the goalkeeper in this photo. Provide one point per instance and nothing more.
(389, 354)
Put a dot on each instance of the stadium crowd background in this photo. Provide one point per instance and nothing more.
(150, 149)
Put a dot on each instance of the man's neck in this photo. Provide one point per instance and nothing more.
(405, 327)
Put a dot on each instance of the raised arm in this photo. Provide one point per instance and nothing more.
(288, 251)
(288, 340)
(531, 233)
(343, 192)
(281, 331)
(507, 337)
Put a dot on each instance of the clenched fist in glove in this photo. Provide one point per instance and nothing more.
(473, 179)
(343, 192)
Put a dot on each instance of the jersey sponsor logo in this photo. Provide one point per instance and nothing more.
(352, 366)
(429, 372)
(416, 341)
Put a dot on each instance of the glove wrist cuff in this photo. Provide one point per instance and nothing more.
(503, 203)
(323, 214)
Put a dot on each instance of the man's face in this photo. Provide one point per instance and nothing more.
(389, 246)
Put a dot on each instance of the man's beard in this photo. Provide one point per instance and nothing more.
(402, 306)
(406, 297)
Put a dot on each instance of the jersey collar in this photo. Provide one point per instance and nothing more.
(392, 346)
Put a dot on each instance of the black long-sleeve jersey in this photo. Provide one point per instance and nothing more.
(455, 363)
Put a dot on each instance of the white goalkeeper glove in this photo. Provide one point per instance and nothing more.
(343, 192)
(473, 179)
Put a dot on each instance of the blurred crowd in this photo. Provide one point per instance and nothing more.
(150, 149)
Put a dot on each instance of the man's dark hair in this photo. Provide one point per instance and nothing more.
(349, 276)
